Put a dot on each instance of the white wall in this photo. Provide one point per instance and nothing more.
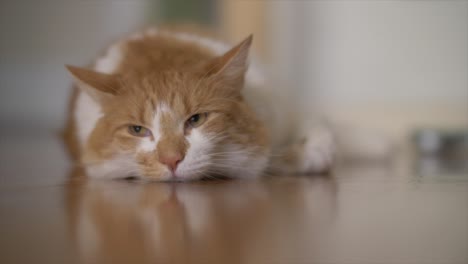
(38, 38)
(389, 64)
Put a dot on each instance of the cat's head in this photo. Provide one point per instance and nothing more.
(179, 124)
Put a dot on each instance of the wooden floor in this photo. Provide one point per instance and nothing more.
(360, 215)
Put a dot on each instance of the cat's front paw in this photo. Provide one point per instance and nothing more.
(318, 153)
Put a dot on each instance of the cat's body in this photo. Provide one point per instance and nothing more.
(171, 105)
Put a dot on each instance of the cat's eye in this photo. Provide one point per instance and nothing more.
(196, 120)
(139, 131)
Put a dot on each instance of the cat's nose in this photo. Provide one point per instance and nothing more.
(171, 161)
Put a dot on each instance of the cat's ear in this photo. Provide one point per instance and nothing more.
(97, 84)
(232, 65)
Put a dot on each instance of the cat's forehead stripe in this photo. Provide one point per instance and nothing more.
(161, 113)
(163, 108)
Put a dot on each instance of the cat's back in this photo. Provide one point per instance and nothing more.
(161, 49)
(154, 50)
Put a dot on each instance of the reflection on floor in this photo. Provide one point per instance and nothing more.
(360, 214)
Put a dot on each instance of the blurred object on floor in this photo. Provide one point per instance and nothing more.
(441, 152)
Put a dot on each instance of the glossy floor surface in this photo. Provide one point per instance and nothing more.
(381, 214)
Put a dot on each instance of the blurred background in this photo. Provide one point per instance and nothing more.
(397, 66)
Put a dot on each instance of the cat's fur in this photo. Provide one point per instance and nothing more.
(158, 79)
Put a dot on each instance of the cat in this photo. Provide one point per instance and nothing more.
(173, 105)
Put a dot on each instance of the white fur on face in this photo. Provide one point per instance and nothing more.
(120, 166)
(233, 161)
(197, 159)
(148, 144)
(240, 162)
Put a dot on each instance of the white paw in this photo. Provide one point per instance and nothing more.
(319, 152)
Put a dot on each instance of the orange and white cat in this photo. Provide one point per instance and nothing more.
(173, 105)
